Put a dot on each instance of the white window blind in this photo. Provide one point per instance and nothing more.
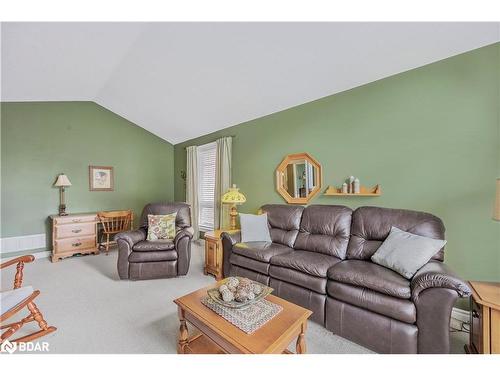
(206, 185)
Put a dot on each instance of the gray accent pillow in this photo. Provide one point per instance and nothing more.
(405, 252)
(254, 228)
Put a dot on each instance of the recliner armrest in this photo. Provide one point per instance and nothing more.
(132, 236)
(184, 232)
(182, 243)
(436, 274)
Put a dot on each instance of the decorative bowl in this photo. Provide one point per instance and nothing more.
(216, 296)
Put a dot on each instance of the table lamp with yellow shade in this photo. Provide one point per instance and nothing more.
(233, 197)
(496, 210)
(62, 182)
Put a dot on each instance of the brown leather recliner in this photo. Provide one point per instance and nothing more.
(320, 259)
(139, 259)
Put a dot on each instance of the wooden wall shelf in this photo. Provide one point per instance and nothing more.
(375, 191)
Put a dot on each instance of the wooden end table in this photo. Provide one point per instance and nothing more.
(484, 336)
(218, 336)
(214, 254)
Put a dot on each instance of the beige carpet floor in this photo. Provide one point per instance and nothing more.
(95, 312)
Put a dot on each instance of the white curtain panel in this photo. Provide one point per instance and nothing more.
(222, 181)
(192, 187)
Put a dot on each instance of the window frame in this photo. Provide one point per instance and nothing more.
(203, 201)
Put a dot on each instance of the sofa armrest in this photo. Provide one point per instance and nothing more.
(434, 290)
(232, 237)
(132, 236)
(184, 232)
(436, 274)
(228, 240)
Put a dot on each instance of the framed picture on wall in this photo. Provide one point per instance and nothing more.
(101, 178)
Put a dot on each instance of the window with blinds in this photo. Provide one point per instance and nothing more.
(206, 185)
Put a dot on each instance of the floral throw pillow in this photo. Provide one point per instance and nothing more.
(161, 227)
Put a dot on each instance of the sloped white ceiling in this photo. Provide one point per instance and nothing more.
(183, 80)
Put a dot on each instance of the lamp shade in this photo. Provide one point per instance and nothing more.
(233, 196)
(62, 180)
(496, 212)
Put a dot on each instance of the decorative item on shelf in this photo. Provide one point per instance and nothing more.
(363, 191)
(350, 188)
(62, 182)
(356, 186)
(344, 188)
(496, 210)
(238, 292)
(101, 178)
(233, 197)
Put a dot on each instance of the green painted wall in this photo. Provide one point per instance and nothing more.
(40, 140)
(429, 136)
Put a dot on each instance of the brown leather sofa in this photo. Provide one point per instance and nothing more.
(319, 258)
(139, 259)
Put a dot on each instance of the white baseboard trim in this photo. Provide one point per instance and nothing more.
(460, 315)
(22, 243)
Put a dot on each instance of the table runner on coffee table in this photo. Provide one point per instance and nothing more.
(248, 319)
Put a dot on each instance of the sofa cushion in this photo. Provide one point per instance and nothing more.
(405, 252)
(261, 251)
(152, 256)
(315, 264)
(371, 226)
(397, 308)
(182, 219)
(161, 227)
(325, 229)
(304, 280)
(158, 245)
(284, 222)
(249, 263)
(371, 276)
(254, 228)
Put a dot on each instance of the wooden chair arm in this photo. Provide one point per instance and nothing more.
(18, 278)
(21, 259)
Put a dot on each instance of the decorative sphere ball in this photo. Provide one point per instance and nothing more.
(256, 289)
(232, 282)
(241, 296)
(227, 296)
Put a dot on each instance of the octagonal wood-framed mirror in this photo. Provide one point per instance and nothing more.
(298, 178)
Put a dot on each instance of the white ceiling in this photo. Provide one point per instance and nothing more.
(183, 80)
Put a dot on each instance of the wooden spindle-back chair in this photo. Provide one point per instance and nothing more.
(15, 300)
(114, 222)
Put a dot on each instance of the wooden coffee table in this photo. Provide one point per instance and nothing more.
(217, 335)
